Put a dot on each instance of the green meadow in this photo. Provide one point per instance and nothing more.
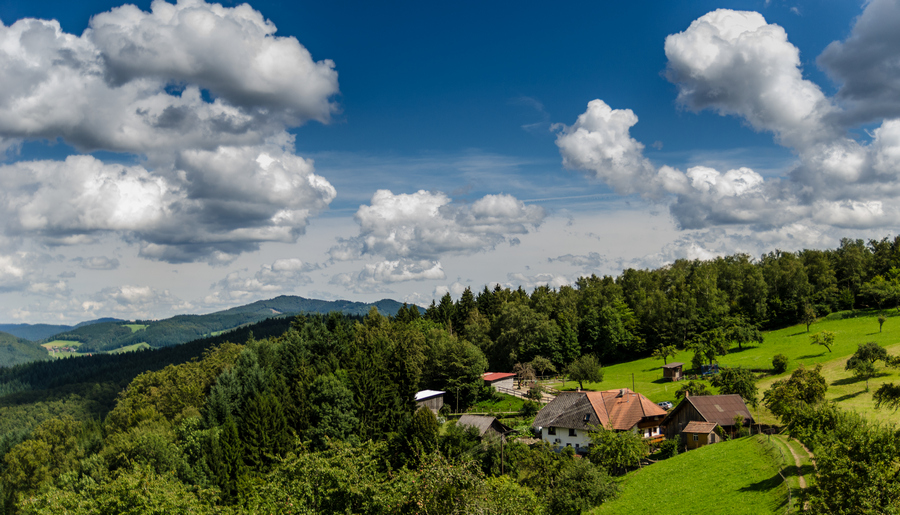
(735, 477)
(136, 327)
(645, 375)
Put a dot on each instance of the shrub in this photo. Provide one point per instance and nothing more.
(669, 448)
(530, 409)
(779, 363)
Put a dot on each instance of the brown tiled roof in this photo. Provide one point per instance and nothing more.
(613, 409)
(720, 409)
(695, 426)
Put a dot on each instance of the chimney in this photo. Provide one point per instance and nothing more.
(687, 394)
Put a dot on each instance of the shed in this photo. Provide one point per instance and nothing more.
(483, 424)
(431, 399)
(672, 371)
(697, 434)
(721, 409)
(498, 379)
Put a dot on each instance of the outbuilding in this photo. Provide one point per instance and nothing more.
(697, 434)
(672, 371)
(431, 399)
(484, 425)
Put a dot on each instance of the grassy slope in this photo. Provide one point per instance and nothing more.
(740, 476)
(792, 342)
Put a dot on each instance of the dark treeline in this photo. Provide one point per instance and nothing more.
(645, 311)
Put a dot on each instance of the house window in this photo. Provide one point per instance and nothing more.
(551, 430)
(696, 438)
(572, 432)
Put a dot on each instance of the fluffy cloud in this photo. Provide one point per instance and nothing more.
(282, 276)
(213, 206)
(866, 64)
(737, 64)
(529, 282)
(600, 142)
(107, 89)
(202, 96)
(425, 225)
(371, 278)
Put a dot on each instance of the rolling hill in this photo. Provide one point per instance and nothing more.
(14, 351)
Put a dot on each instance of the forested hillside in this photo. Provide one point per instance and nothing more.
(18, 350)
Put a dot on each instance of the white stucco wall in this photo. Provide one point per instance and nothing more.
(581, 438)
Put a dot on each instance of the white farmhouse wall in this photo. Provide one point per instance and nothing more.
(581, 439)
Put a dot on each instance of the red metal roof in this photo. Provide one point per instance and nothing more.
(496, 376)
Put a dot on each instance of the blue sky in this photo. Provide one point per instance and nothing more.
(185, 158)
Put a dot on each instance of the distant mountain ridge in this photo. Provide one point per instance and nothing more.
(104, 336)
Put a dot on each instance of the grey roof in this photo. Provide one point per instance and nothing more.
(673, 365)
(567, 410)
(482, 424)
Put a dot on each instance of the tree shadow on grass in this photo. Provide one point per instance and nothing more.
(846, 381)
(662, 380)
(791, 470)
(811, 356)
(765, 485)
(798, 334)
(849, 396)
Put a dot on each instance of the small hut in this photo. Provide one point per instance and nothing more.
(499, 379)
(697, 434)
(483, 425)
(672, 371)
(431, 399)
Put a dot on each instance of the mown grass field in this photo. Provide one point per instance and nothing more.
(58, 344)
(136, 327)
(794, 343)
(735, 477)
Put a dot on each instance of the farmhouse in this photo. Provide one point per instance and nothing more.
(720, 409)
(431, 399)
(569, 418)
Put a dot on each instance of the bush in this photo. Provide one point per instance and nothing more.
(669, 448)
(530, 409)
(779, 363)
(535, 393)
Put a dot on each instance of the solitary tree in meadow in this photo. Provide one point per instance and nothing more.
(824, 338)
